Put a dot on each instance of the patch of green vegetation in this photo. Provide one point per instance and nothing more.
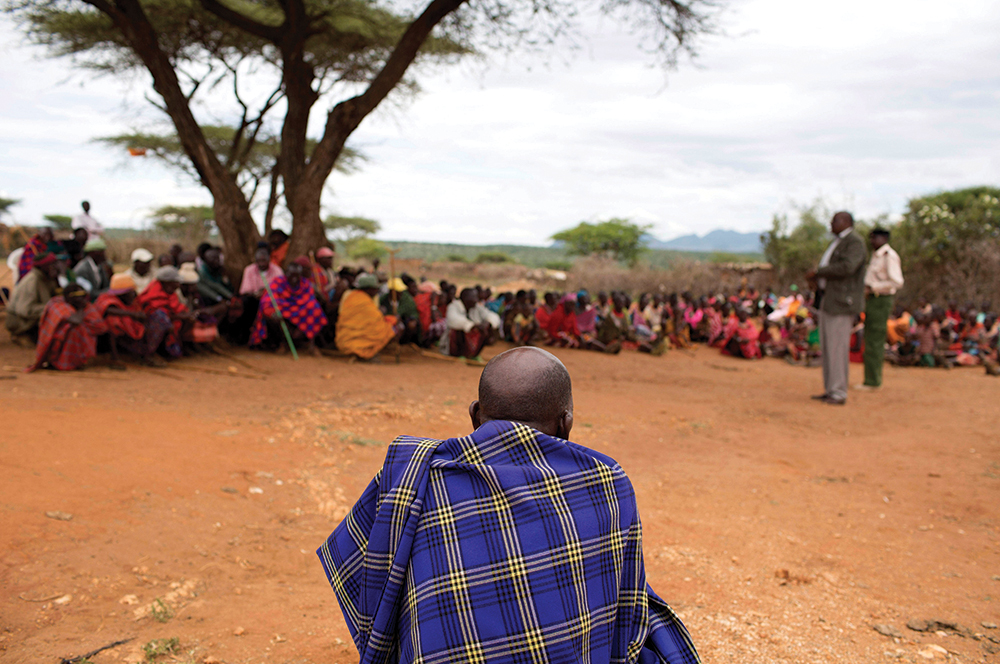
(161, 612)
(494, 257)
(158, 647)
(562, 266)
(354, 439)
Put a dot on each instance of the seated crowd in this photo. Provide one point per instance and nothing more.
(71, 304)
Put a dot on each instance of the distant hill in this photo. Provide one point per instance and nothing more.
(728, 241)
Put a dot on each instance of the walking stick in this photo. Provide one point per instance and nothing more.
(2, 296)
(284, 328)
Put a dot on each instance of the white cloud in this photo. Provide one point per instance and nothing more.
(866, 103)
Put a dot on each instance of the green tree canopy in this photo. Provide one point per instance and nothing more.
(793, 252)
(6, 204)
(348, 229)
(937, 228)
(60, 221)
(367, 248)
(192, 222)
(615, 238)
(949, 244)
(252, 163)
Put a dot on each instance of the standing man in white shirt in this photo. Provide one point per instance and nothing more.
(883, 279)
(92, 226)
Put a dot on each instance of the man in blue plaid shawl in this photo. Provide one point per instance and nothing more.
(511, 544)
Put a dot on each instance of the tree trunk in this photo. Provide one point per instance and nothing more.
(238, 237)
(297, 79)
(303, 181)
(309, 234)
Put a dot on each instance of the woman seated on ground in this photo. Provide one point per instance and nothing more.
(562, 328)
(292, 304)
(68, 331)
(362, 329)
(438, 316)
(744, 340)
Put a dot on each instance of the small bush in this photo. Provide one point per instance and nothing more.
(158, 647)
(562, 266)
(456, 258)
(161, 612)
(494, 257)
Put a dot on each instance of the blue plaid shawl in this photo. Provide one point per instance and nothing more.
(507, 545)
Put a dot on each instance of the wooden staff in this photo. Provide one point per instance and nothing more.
(284, 328)
(230, 356)
(217, 372)
(2, 296)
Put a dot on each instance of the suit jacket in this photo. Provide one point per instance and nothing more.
(845, 277)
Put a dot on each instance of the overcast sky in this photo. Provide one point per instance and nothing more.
(865, 103)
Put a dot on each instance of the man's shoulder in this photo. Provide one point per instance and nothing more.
(853, 239)
(491, 439)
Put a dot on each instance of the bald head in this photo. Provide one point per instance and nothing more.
(841, 222)
(526, 385)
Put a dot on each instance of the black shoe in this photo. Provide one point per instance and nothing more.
(820, 397)
(834, 401)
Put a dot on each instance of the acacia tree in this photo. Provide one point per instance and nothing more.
(354, 49)
(615, 238)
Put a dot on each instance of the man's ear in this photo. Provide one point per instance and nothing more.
(565, 425)
(474, 414)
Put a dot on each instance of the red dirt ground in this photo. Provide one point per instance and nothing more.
(779, 528)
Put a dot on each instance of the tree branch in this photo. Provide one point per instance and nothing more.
(270, 32)
(348, 114)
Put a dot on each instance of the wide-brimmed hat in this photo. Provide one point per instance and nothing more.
(397, 285)
(121, 283)
(95, 244)
(142, 255)
(367, 281)
(325, 252)
(168, 273)
(188, 273)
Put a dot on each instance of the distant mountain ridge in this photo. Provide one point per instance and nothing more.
(719, 240)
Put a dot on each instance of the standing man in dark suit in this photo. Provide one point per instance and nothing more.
(840, 286)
